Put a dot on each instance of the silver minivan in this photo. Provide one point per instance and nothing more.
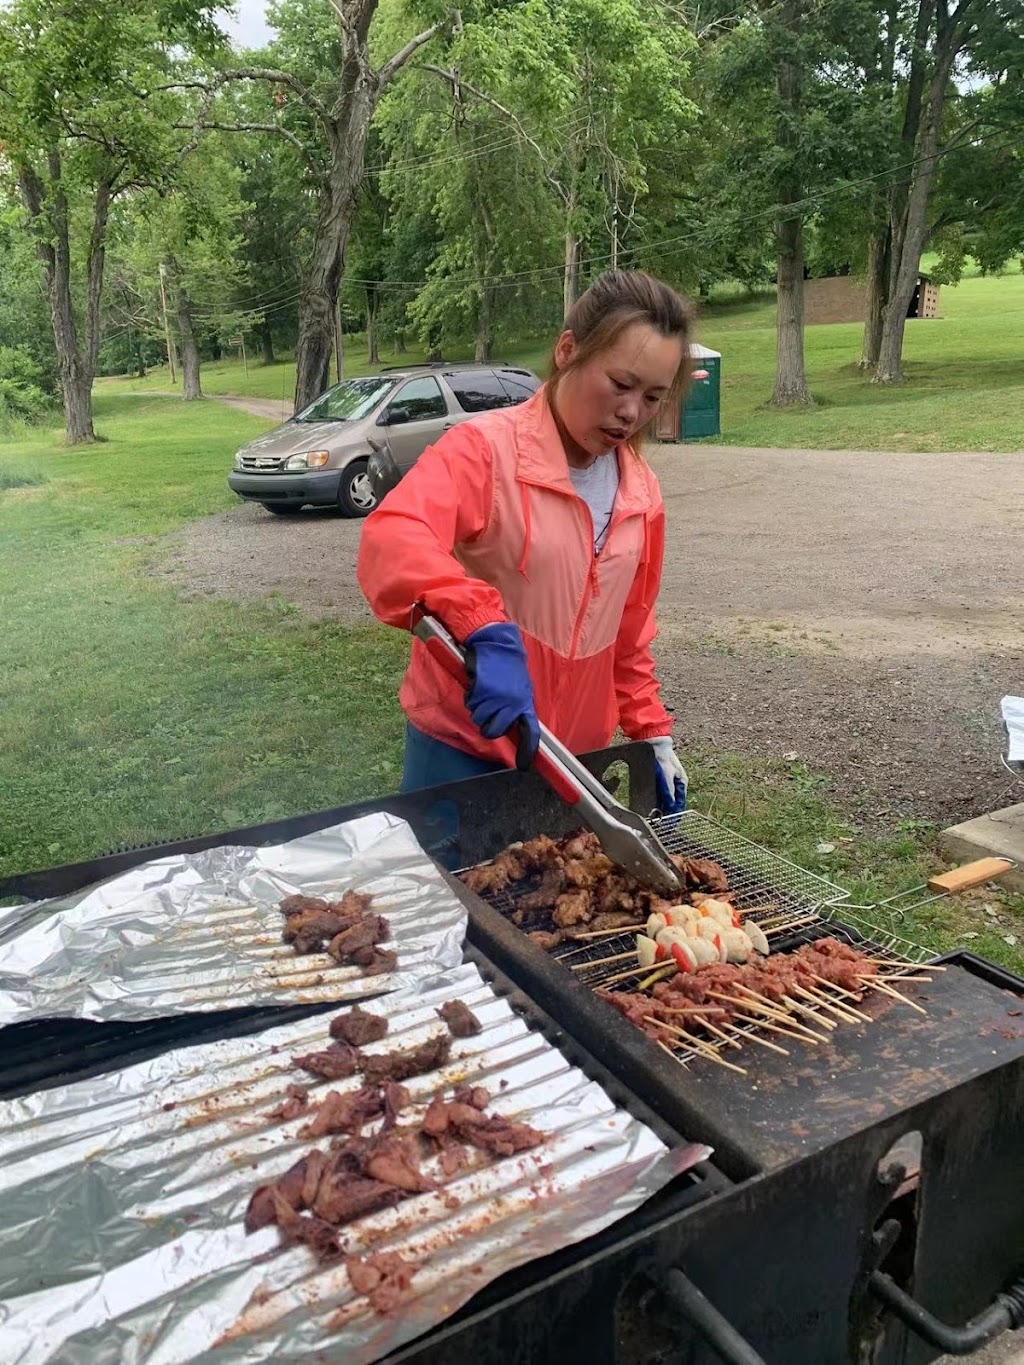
(357, 440)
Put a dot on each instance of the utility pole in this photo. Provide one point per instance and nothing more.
(167, 326)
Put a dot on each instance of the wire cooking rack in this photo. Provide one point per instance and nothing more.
(792, 905)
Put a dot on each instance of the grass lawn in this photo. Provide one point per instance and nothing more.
(130, 715)
(964, 389)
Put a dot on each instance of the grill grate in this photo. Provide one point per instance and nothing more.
(793, 907)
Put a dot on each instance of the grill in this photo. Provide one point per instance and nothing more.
(863, 1192)
(263, 464)
(792, 906)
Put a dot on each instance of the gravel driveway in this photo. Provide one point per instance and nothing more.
(859, 609)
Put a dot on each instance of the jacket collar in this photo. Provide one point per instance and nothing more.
(540, 457)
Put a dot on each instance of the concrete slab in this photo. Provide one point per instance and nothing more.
(999, 834)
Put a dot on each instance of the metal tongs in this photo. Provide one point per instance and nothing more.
(626, 837)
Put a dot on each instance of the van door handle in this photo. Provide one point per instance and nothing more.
(447, 426)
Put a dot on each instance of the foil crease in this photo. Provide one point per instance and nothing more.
(202, 931)
(122, 1197)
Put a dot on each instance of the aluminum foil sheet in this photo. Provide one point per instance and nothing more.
(122, 1197)
(202, 931)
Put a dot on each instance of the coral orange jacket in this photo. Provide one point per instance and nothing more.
(487, 527)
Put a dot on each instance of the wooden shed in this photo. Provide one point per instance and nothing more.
(843, 298)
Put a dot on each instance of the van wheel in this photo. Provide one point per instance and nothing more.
(356, 497)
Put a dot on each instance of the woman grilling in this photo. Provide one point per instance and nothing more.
(535, 534)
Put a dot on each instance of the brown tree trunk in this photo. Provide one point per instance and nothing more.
(790, 376)
(347, 132)
(876, 297)
(906, 262)
(399, 346)
(485, 312)
(571, 282)
(48, 214)
(191, 389)
(267, 344)
(372, 347)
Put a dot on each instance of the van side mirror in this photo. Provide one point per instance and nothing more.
(394, 417)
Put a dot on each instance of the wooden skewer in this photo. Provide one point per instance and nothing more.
(851, 1010)
(896, 962)
(774, 1012)
(847, 995)
(792, 924)
(790, 1032)
(748, 1038)
(845, 1012)
(904, 976)
(701, 1049)
(880, 985)
(602, 961)
(625, 976)
(692, 1009)
(814, 1014)
(605, 933)
(792, 1029)
(726, 1038)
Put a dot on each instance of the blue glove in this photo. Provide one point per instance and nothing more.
(500, 692)
(670, 778)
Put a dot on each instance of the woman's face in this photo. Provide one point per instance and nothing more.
(616, 392)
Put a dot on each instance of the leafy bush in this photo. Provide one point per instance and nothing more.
(23, 397)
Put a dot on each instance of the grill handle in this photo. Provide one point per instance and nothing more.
(716, 1330)
(1006, 1312)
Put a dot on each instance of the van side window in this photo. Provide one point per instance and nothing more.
(421, 398)
(479, 390)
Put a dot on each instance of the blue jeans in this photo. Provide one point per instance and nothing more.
(431, 763)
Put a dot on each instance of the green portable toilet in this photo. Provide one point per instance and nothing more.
(702, 408)
(699, 414)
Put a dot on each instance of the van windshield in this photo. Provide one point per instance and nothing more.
(348, 401)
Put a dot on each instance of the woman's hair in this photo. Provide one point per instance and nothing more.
(614, 302)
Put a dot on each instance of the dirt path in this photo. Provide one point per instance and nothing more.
(864, 611)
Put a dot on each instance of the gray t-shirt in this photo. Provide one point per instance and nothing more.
(597, 486)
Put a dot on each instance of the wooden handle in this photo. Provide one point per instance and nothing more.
(971, 874)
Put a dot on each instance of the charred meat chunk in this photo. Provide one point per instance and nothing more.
(399, 1066)
(461, 1021)
(297, 1099)
(383, 1278)
(357, 1027)
(334, 1063)
(338, 1113)
(363, 934)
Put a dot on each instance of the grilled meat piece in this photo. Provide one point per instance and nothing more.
(338, 1113)
(475, 1095)
(549, 942)
(395, 1098)
(453, 1159)
(343, 1197)
(395, 1160)
(614, 919)
(264, 1205)
(494, 1134)
(333, 1063)
(537, 854)
(300, 905)
(701, 874)
(537, 902)
(363, 934)
(291, 1107)
(461, 1021)
(572, 907)
(586, 844)
(376, 961)
(399, 1066)
(495, 876)
(383, 1277)
(357, 1027)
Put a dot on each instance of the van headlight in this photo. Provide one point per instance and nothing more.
(238, 460)
(307, 459)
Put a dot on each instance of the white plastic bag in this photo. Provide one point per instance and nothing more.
(1013, 716)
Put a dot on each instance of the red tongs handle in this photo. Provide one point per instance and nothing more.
(445, 649)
